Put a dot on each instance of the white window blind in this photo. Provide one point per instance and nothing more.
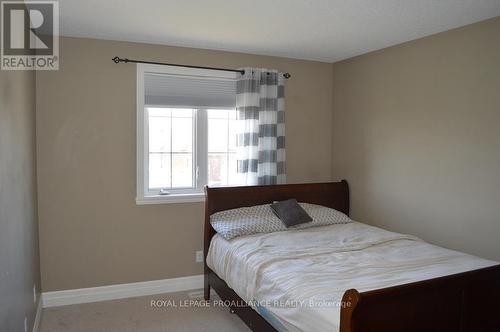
(188, 91)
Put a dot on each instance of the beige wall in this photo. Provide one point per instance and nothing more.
(19, 258)
(416, 134)
(91, 231)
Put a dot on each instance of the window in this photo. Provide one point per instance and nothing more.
(186, 132)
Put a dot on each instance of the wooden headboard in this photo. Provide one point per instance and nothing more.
(332, 194)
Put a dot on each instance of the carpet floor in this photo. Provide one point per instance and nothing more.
(168, 312)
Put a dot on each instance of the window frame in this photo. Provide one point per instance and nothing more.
(200, 148)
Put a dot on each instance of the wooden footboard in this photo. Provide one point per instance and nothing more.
(460, 302)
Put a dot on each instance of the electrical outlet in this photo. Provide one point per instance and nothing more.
(25, 324)
(34, 293)
(199, 256)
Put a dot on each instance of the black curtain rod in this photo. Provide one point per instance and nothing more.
(118, 60)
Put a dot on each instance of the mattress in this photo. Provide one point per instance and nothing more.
(296, 279)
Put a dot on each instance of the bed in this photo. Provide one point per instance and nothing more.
(366, 278)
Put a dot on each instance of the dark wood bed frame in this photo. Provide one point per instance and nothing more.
(459, 302)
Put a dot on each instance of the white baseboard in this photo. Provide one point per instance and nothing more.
(121, 291)
(38, 316)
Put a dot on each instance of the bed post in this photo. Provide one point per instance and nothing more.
(346, 197)
(206, 243)
(350, 300)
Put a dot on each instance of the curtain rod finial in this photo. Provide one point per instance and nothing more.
(287, 75)
(116, 59)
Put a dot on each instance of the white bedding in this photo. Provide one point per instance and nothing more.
(300, 276)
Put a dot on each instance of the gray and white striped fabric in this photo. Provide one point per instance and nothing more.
(260, 106)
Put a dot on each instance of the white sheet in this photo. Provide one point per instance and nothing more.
(300, 276)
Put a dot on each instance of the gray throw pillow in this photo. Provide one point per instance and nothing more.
(290, 212)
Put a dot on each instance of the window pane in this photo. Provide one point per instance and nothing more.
(232, 135)
(217, 169)
(182, 134)
(217, 135)
(170, 130)
(159, 134)
(217, 130)
(182, 170)
(232, 170)
(159, 170)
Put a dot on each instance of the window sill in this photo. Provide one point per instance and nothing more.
(170, 199)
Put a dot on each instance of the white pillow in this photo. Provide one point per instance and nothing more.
(261, 219)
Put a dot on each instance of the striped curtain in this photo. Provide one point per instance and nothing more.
(261, 127)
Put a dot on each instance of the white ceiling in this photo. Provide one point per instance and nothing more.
(325, 30)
